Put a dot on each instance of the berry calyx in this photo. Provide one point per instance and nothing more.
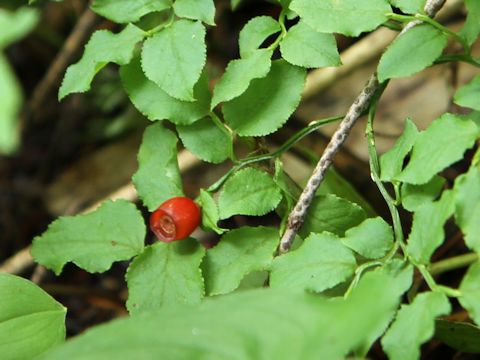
(175, 219)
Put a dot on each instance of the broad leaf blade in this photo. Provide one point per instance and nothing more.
(239, 253)
(471, 29)
(15, 25)
(255, 32)
(469, 95)
(158, 176)
(113, 232)
(415, 196)
(31, 321)
(210, 214)
(409, 6)
(165, 274)
(461, 336)
(125, 11)
(470, 289)
(203, 10)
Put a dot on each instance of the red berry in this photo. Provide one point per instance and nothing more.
(175, 219)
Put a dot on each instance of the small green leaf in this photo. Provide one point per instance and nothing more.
(239, 253)
(249, 192)
(333, 214)
(204, 139)
(469, 95)
(235, 3)
(165, 274)
(125, 11)
(158, 176)
(442, 144)
(255, 32)
(321, 262)
(31, 321)
(372, 239)
(414, 196)
(203, 10)
(156, 104)
(391, 162)
(113, 232)
(268, 103)
(414, 325)
(174, 58)
(15, 25)
(210, 216)
(470, 289)
(102, 48)
(347, 17)
(409, 6)
(304, 46)
(467, 206)
(471, 29)
(412, 52)
(424, 240)
(238, 75)
(458, 335)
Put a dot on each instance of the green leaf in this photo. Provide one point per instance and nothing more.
(391, 162)
(467, 206)
(125, 11)
(414, 325)
(204, 139)
(240, 252)
(347, 17)
(321, 262)
(458, 335)
(470, 289)
(424, 240)
(113, 232)
(235, 3)
(425, 41)
(304, 46)
(414, 196)
(239, 74)
(210, 215)
(15, 25)
(165, 274)
(203, 10)
(102, 48)
(156, 104)
(333, 214)
(249, 192)
(158, 176)
(442, 144)
(471, 28)
(31, 321)
(372, 239)
(268, 103)
(409, 6)
(174, 58)
(255, 32)
(469, 95)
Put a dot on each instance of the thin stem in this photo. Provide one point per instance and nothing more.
(460, 57)
(227, 131)
(434, 286)
(281, 21)
(453, 263)
(163, 25)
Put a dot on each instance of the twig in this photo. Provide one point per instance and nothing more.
(297, 216)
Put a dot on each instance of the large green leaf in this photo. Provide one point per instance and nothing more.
(461, 336)
(467, 206)
(238, 75)
(333, 214)
(165, 274)
(304, 46)
(425, 41)
(125, 11)
(103, 47)
(470, 289)
(427, 229)
(203, 10)
(268, 103)
(239, 253)
(113, 232)
(348, 17)
(31, 321)
(204, 139)
(321, 262)
(471, 29)
(415, 196)
(15, 25)
(156, 104)
(443, 143)
(255, 32)
(158, 176)
(414, 325)
(469, 95)
(409, 6)
(249, 192)
(174, 58)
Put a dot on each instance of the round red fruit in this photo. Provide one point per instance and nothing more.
(175, 219)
